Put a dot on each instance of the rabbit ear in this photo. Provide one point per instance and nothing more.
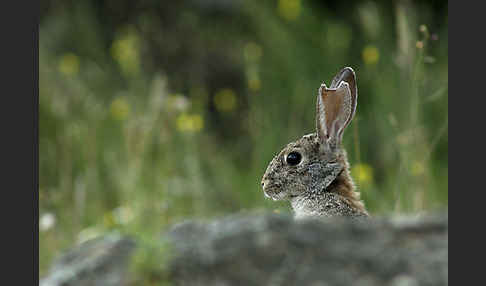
(347, 74)
(335, 109)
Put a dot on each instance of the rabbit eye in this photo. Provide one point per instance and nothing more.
(293, 158)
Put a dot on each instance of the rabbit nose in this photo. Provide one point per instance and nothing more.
(264, 182)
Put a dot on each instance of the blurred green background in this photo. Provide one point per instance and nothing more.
(156, 111)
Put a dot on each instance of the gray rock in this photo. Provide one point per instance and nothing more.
(101, 261)
(277, 250)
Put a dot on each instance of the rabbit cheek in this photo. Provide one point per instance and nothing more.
(321, 176)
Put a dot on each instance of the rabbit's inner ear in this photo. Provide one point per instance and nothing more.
(336, 105)
(347, 75)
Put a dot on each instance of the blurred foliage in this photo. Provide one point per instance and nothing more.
(156, 111)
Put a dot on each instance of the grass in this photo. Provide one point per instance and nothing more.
(123, 147)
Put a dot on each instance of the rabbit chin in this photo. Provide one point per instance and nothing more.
(278, 196)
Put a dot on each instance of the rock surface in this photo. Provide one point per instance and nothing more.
(278, 250)
(101, 261)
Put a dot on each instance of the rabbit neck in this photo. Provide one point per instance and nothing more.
(339, 199)
(324, 205)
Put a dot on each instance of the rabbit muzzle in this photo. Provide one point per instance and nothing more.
(271, 191)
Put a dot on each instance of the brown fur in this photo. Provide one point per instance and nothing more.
(345, 187)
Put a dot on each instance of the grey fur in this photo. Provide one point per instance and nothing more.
(320, 185)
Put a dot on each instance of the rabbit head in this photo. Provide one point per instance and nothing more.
(316, 163)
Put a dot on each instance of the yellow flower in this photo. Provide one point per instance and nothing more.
(197, 122)
(189, 123)
(363, 174)
(119, 109)
(289, 9)
(108, 220)
(417, 168)
(254, 84)
(125, 51)
(370, 55)
(69, 64)
(225, 100)
(419, 45)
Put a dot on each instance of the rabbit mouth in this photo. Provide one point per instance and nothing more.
(270, 196)
(274, 194)
(271, 193)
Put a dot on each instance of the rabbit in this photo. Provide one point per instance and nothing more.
(313, 172)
